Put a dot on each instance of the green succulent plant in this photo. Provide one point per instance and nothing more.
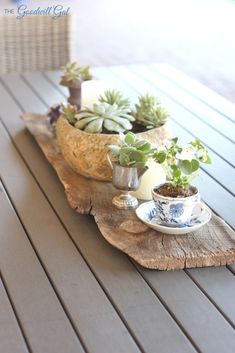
(132, 152)
(149, 112)
(104, 116)
(69, 112)
(114, 97)
(72, 73)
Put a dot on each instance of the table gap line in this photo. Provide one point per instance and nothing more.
(151, 83)
(12, 96)
(21, 328)
(209, 298)
(230, 269)
(153, 68)
(79, 251)
(67, 314)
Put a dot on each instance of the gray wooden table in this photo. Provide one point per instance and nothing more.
(63, 289)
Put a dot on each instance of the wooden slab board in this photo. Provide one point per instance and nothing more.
(212, 245)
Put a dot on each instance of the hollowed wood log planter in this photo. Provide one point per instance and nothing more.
(75, 92)
(87, 153)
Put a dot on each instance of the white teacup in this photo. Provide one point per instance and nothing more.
(175, 210)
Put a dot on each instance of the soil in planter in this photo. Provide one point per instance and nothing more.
(174, 191)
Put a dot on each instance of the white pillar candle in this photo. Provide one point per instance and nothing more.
(91, 90)
(155, 175)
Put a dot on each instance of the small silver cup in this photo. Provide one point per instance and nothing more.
(126, 179)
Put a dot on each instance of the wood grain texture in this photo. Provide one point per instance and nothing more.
(212, 245)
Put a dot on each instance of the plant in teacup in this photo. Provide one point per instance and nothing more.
(128, 162)
(176, 199)
(72, 77)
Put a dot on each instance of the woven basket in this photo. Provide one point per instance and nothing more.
(34, 43)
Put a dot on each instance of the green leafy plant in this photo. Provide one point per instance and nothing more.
(114, 97)
(132, 151)
(104, 116)
(182, 164)
(73, 73)
(149, 112)
(69, 112)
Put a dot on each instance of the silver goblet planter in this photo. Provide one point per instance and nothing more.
(126, 179)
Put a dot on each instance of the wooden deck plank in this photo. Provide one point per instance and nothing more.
(11, 338)
(219, 284)
(199, 109)
(130, 294)
(54, 78)
(45, 89)
(67, 269)
(208, 186)
(45, 323)
(208, 328)
(197, 89)
(210, 137)
(232, 268)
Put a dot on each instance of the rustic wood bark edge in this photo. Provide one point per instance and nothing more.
(212, 245)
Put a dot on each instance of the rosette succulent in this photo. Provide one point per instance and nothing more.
(104, 117)
(73, 73)
(132, 152)
(114, 97)
(149, 112)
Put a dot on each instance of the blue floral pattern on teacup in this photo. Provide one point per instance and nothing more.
(176, 210)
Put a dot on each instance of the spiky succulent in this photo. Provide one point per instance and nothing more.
(149, 112)
(69, 112)
(132, 151)
(114, 97)
(104, 116)
(72, 73)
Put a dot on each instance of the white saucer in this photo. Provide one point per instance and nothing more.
(147, 213)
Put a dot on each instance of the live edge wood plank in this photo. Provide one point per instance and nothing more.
(213, 245)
